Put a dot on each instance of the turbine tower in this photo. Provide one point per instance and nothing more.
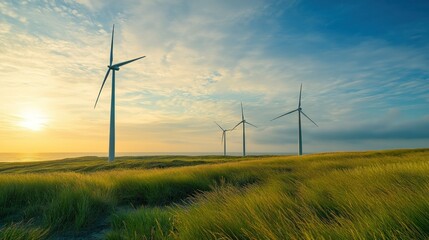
(112, 67)
(223, 138)
(244, 122)
(299, 109)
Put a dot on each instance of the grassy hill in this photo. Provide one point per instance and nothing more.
(365, 195)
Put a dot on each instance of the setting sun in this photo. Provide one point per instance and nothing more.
(33, 120)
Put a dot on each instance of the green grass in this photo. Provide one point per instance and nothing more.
(21, 231)
(362, 195)
(149, 223)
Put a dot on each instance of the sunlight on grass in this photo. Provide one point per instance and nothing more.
(370, 195)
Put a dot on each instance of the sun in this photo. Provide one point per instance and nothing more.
(33, 120)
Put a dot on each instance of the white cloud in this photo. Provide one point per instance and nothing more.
(7, 10)
(91, 4)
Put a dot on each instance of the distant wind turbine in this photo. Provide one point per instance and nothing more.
(299, 109)
(223, 137)
(244, 122)
(114, 67)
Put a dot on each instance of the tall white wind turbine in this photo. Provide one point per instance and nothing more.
(113, 68)
(244, 122)
(299, 109)
(223, 137)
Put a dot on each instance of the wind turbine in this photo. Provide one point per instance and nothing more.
(223, 137)
(244, 122)
(299, 109)
(113, 68)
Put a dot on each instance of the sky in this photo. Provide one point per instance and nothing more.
(363, 65)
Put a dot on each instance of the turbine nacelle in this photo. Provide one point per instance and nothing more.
(115, 68)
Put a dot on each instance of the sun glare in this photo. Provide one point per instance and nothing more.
(33, 120)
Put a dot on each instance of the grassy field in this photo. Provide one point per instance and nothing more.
(365, 195)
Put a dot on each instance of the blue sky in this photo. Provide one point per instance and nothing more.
(363, 65)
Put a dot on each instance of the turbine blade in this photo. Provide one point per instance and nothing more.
(223, 136)
(251, 124)
(126, 62)
(309, 118)
(242, 112)
(102, 85)
(237, 125)
(111, 46)
(284, 114)
(300, 90)
(219, 126)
